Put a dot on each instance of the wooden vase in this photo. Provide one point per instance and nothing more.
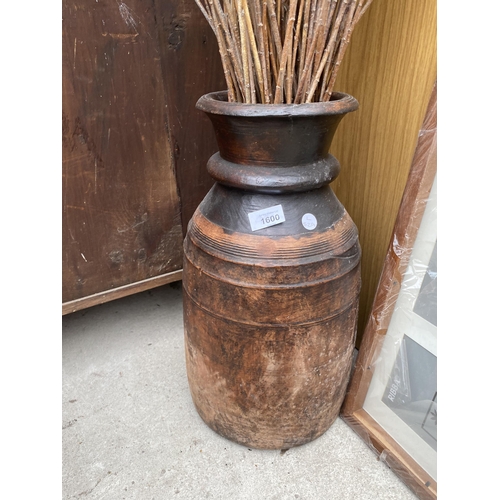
(270, 305)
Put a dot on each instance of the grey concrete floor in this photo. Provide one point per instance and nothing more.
(130, 430)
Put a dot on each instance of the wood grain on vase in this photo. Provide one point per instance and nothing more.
(270, 314)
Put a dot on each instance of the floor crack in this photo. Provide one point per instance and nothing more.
(88, 492)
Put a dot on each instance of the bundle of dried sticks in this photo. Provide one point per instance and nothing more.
(282, 51)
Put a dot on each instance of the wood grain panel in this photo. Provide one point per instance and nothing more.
(191, 67)
(390, 67)
(121, 210)
(396, 261)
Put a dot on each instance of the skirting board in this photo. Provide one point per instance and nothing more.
(122, 291)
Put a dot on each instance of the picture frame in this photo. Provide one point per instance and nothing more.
(391, 400)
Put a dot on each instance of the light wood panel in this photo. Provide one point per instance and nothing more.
(390, 67)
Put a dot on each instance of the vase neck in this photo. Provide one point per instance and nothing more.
(269, 141)
(274, 148)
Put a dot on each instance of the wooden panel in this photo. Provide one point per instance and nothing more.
(397, 258)
(121, 208)
(390, 67)
(191, 68)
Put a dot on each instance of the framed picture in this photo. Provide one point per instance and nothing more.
(392, 397)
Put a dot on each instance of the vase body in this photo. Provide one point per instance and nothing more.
(270, 311)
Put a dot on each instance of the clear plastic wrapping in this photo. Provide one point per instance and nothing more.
(402, 396)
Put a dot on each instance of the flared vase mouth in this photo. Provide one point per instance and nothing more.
(217, 103)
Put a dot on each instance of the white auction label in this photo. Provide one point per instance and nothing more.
(309, 221)
(266, 217)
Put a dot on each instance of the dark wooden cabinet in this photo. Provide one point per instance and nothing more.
(134, 146)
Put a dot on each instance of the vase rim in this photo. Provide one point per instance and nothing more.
(217, 103)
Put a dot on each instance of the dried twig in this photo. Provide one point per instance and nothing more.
(327, 52)
(244, 51)
(275, 51)
(342, 48)
(306, 71)
(286, 53)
